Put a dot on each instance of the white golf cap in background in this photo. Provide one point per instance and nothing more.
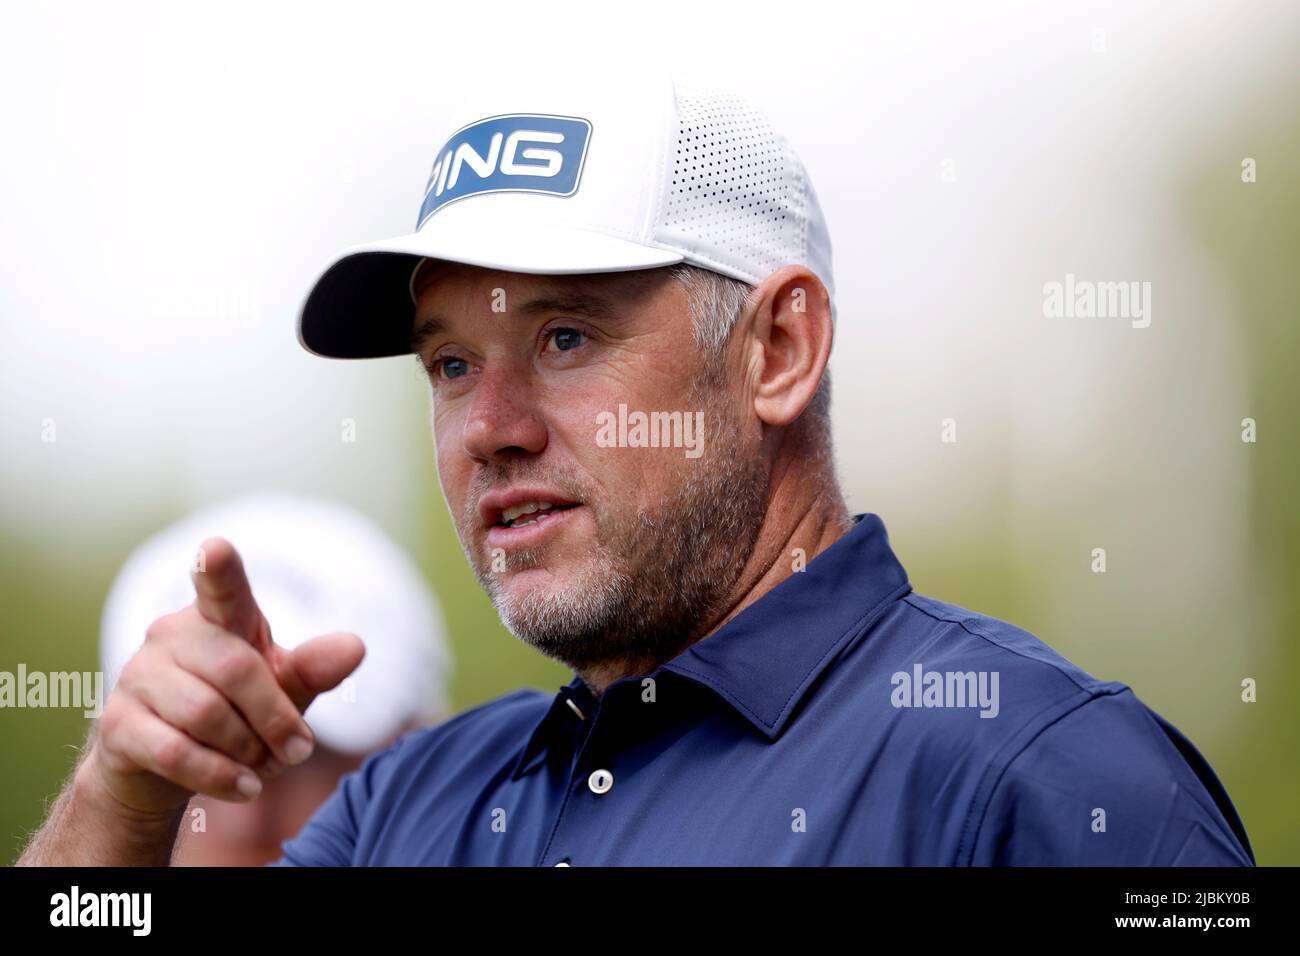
(315, 567)
(605, 175)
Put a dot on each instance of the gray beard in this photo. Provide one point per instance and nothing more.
(656, 580)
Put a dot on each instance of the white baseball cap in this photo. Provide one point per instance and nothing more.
(602, 175)
(315, 567)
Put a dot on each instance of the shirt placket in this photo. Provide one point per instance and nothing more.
(591, 774)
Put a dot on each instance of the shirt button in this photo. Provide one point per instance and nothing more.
(600, 781)
(564, 863)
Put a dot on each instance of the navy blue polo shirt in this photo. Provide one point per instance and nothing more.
(840, 719)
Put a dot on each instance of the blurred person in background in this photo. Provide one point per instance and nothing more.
(315, 562)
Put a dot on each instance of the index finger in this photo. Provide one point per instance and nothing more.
(224, 596)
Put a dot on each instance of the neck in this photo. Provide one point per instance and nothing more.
(804, 518)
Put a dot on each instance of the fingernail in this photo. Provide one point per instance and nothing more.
(272, 767)
(297, 749)
(248, 785)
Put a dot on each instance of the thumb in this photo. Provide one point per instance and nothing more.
(316, 666)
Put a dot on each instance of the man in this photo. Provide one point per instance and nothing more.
(623, 300)
(317, 563)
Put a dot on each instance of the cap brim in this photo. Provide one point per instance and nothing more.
(361, 306)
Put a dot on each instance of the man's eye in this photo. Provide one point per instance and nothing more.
(451, 367)
(566, 340)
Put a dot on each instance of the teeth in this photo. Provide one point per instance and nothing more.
(511, 514)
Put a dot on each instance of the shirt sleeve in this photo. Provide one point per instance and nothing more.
(330, 837)
(1109, 784)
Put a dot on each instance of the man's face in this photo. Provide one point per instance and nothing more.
(631, 551)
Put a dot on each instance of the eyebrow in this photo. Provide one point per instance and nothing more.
(574, 303)
(425, 331)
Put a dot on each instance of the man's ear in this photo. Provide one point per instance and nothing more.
(789, 343)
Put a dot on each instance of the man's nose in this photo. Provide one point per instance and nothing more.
(502, 421)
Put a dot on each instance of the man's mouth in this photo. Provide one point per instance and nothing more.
(527, 523)
(522, 507)
(530, 512)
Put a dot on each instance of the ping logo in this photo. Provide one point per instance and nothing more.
(515, 152)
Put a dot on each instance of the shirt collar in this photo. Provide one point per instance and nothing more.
(763, 660)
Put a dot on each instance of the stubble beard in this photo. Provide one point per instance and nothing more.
(655, 580)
